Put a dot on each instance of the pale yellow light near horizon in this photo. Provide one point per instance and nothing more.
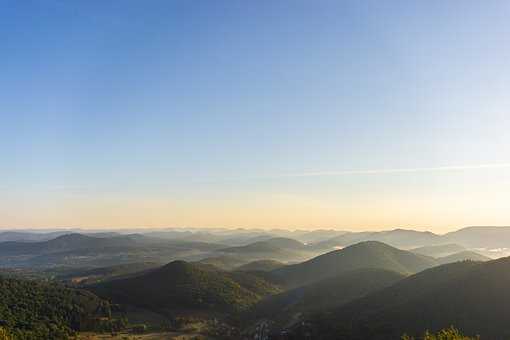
(438, 199)
(278, 211)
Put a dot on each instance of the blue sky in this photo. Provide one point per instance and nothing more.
(174, 113)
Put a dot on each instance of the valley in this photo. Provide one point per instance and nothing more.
(268, 284)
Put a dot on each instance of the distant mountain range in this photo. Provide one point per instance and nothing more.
(83, 250)
(471, 237)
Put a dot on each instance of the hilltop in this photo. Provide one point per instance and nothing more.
(188, 286)
(469, 295)
(368, 254)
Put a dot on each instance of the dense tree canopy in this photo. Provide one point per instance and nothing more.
(43, 310)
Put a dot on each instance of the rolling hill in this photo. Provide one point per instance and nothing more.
(368, 254)
(440, 250)
(325, 294)
(41, 310)
(471, 296)
(480, 237)
(27, 236)
(65, 243)
(261, 265)
(95, 275)
(181, 286)
(463, 256)
(273, 244)
(277, 248)
(78, 250)
(401, 238)
(224, 262)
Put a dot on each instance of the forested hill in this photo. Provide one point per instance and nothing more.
(472, 296)
(42, 310)
(188, 286)
(370, 254)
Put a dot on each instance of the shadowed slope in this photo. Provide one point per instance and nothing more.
(369, 254)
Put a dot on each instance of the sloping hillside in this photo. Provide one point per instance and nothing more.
(401, 238)
(273, 244)
(362, 255)
(326, 294)
(480, 237)
(261, 265)
(27, 236)
(79, 250)
(471, 296)
(278, 248)
(42, 310)
(95, 275)
(184, 286)
(440, 250)
(463, 256)
(224, 262)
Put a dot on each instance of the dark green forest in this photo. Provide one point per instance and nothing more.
(43, 310)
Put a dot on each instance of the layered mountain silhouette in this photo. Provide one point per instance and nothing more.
(401, 238)
(84, 250)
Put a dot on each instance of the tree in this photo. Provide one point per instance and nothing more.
(445, 334)
(4, 334)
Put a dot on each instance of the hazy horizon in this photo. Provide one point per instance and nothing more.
(216, 228)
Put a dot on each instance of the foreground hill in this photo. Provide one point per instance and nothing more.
(181, 286)
(41, 310)
(471, 296)
(362, 255)
(326, 294)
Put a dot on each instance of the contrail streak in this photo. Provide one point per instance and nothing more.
(364, 172)
(391, 171)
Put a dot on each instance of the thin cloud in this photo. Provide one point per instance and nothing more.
(370, 172)
(391, 171)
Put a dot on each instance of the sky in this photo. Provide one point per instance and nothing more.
(299, 114)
